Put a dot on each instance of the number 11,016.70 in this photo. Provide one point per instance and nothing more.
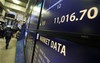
(90, 13)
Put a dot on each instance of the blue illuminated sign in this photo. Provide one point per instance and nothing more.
(78, 16)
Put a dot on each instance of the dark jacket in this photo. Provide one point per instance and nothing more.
(8, 32)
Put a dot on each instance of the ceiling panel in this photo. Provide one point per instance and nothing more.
(23, 2)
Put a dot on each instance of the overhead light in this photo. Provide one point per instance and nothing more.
(16, 1)
(37, 9)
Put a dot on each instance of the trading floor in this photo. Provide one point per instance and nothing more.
(7, 56)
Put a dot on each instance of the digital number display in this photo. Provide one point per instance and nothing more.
(64, 32)
(91, 14)
(75, 16)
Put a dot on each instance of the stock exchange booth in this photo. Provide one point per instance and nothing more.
(67, 31)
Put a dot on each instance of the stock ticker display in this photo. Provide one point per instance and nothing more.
(56, 50)
(72, 16)
(77, 16)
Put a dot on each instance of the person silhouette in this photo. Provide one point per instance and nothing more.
(8, 35)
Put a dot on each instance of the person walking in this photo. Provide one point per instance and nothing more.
(8, 35)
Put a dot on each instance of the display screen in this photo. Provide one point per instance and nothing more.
(34, 18)
(29, 47)
(31, 28)
(75, 16)
(66, 16)
(56, 50)
(10, 15)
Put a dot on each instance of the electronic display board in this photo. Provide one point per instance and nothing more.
(35, 14)
(76, 16)
(31, 28)
(56, 50)
(33, 23)
(29, 47)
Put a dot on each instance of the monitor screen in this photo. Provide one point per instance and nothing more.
(71, 16)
